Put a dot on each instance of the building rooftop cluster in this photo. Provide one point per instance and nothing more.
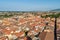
(23, 26)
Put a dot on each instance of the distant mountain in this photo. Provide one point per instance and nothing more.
(55, 10)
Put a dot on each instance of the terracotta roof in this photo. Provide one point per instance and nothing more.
(42, 35)
(19, 34)
(58, 31)
(49, 36)
(5, 31)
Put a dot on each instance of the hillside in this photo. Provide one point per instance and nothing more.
(55, 10)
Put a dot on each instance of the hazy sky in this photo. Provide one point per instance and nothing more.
(29, 5)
